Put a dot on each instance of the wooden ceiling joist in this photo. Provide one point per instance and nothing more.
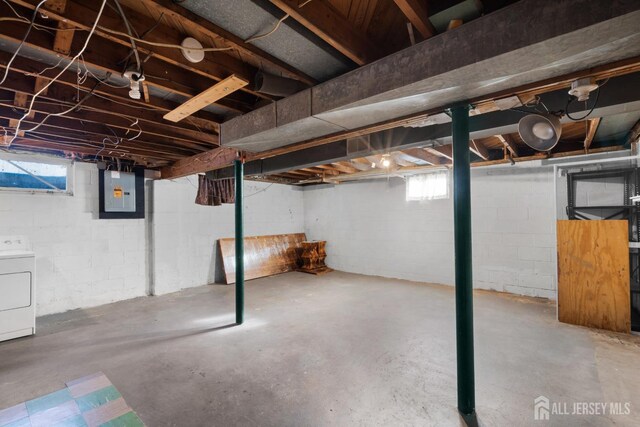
(416, 12)
(479, 149)
(81, 128)
(445, 151)
(101, 110)
(592, 128)
(509, 144)
(321, 19)
(203, 122)
(189, 19)
(423, 155)
(105, 56)
(215, 66)
(214, 159)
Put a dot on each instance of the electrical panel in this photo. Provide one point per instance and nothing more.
(119, 191)
(121, 194)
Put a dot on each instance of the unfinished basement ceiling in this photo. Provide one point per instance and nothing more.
(447, 68)
(292, 42)
(367, 93)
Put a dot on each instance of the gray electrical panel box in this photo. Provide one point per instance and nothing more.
(120, 191)
(121, 194)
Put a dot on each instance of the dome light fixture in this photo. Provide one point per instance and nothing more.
(192, 50)
(540, 131)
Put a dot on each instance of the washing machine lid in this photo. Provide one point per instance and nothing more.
(16, 254)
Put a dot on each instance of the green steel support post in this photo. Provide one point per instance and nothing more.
(464, 281)
(239, 170)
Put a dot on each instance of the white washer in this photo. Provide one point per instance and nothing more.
(17, 294)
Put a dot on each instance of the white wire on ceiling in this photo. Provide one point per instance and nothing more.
(84, 47)
(24, 39)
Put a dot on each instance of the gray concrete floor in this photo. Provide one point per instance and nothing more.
(340, 349)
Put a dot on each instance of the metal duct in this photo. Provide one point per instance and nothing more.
(276, 86)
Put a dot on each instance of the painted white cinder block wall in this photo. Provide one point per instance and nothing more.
(82, 261)
(371, 229)
(185, 234)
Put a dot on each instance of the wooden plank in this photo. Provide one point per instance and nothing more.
(445, 151)
(416, 13)
(263, 255)
(423, 155)
(324, 21)
(206, 98)
(509, 144)
(63, 39)
(479, 149)
(593, 274)
(592, 128)
(213, 159)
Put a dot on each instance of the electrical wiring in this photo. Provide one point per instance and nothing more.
(130, 35)
(595, 104)
(53, 67)
(24, 39)
(67, 111)
(275, 28)
(37, 94)
(87, 70)
(168, 45)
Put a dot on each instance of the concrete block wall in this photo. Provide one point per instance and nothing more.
(81, 261)
(185, 234)
(372, 229)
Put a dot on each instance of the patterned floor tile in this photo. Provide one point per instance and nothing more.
(55, 415)
(129, 419)
(98, 398)
(105, 413)
(13, 414)
(88, 385)
(48, 401)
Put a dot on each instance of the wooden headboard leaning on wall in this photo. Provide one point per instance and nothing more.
(263, 255)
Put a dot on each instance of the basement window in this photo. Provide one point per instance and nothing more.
(428, 186)
(35, 175)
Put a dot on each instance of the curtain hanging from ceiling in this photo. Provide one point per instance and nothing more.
(215, 192)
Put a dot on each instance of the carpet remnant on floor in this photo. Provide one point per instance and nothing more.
(91, 401)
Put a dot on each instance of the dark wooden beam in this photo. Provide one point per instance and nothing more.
(479, 149)
(203, 121)
(209, 160)
(191, 20)
(509, 144)
(324, 21)
(416, 13)
(74, 126)
(592, 128)
(101, 110)
(105, 56)
(215, 66)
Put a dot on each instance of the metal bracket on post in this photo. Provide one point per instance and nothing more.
(239, 175)
(463, 262)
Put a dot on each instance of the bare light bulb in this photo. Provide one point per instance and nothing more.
(373, 165)
(386, 163)
(543, 130)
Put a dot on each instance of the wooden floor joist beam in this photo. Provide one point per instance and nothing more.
(325, 22)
